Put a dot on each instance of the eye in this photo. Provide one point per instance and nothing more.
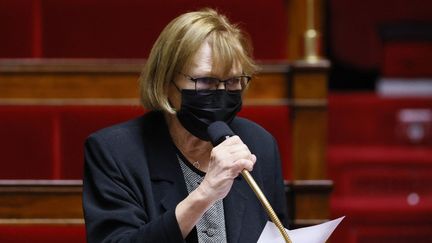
(207, 83)
(234, 83)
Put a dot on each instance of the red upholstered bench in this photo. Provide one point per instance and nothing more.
(382, 177)
(276, 120)
(378, 171)
(408, 59)
(124, 28)
(383, 191)
(42, 233)
(46, 142)
(368, 119)
(383, 184)
(26, 138)
(77, 123)
(17, 29)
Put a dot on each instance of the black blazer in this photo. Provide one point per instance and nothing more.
(133, 182)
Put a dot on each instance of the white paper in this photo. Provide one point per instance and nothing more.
(312, 234)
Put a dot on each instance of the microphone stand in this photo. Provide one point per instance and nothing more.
(270, 212)
(219, 131)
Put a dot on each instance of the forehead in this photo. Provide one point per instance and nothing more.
(203, 63)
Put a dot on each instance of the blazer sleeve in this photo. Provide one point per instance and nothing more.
(279, 196)
(112, 210)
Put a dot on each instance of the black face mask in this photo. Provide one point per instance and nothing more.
(201, 108)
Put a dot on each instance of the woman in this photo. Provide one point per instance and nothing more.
(157, 178)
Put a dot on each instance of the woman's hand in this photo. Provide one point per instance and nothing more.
(227, 160)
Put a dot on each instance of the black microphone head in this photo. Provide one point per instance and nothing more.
(218, 131)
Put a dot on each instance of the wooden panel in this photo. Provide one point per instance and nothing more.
(68, 86)
(108, 79)
(310, 86)
(43, 201)
(268, 86)
(59, 201)
(309, 117)
(309, 103)
(308, 202)
(110, 86)
(309, 144)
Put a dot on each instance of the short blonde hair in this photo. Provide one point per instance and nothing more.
(178, 43)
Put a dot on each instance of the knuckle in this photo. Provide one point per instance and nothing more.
(245, 147)
(245, 154)
(236, 139)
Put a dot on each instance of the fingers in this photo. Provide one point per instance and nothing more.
(227, 161)
(241, 164)
(232, 146)
(231, 151)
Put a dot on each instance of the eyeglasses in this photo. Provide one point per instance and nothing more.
(237, 83)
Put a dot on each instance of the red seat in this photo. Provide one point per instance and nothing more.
(408, 59)
(382, 178)
(77, 123)
(382, 191)
(363, 48)
(46, 142)
(371, 171)
(125, 28)
(26, 141)
(368, 119)
(42, 233)
(17, 28)
(276, 120)
(378, 232)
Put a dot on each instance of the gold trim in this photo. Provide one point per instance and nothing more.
(16, 221)
(40, 182)
(310, 103)
(70, 101)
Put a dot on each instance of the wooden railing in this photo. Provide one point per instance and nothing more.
(34, 202)
(105, 79)
(308, 201)
(41, 202)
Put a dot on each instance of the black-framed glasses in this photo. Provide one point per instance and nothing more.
(237, 83)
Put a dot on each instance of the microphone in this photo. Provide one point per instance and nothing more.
(219, 131)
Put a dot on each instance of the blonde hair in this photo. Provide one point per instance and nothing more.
(177, 44)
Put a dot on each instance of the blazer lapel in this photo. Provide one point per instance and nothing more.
(167, 179)
(168, 184)
(235, 206)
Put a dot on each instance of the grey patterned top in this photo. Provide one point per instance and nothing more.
(211, 227)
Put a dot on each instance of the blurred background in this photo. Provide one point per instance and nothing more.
(345, 87)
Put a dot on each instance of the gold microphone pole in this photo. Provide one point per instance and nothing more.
(215, 130)
(270, 212)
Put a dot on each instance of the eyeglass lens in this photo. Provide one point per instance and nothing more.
(232, 84)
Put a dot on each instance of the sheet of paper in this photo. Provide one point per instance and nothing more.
(312, 234)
